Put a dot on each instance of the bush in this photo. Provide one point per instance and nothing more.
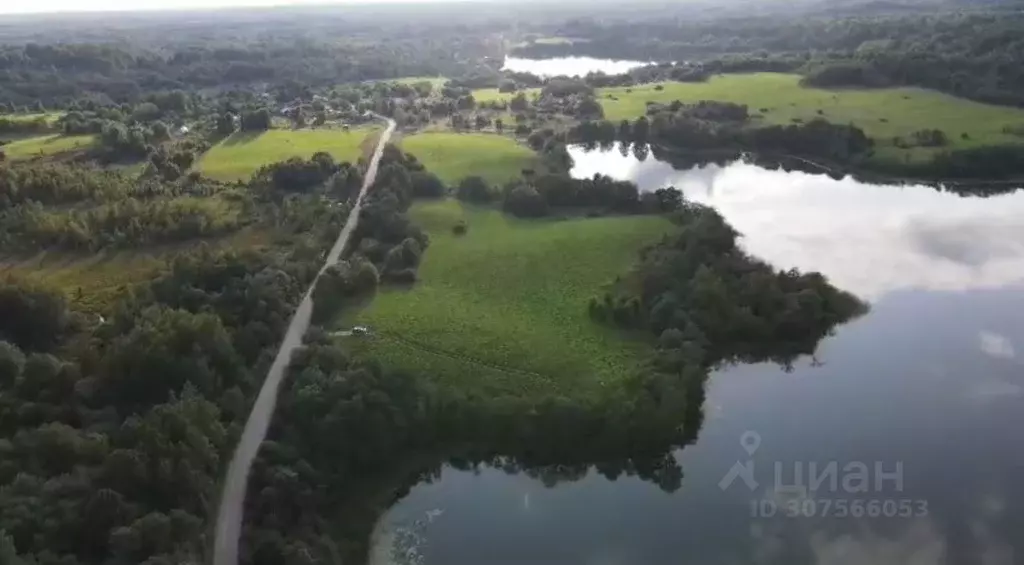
(460, 228)
(475, 189)
(256, 121)
(341, 283)
(930, 138)
(405, 255)
(524, 201)
(562, 87)
(297, 174)
(32, 317)
(427, 185)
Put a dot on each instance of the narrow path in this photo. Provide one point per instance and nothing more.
(229, 516)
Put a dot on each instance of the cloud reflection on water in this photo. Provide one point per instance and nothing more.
(869, 239)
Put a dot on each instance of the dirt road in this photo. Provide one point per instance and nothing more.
(229, 516)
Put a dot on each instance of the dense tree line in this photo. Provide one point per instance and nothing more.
(707, 301)
(127, 223)
(80, 208)
(994, 162)
(710, 125)
(75, 207)
(60, 185)
(386, 236)
(538, 195)
(129, 71)
(966, 53)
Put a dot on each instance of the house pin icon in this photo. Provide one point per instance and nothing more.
(750, 441)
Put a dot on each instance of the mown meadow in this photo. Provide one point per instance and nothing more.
(503, 308)
(883, 113)
(454, 156)
(493, 95)
(46, 145)
(241, 154)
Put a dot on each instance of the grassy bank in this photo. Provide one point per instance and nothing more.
(503, 309)
(46, 145)
(454, 156)
(240, 155)
(882, 113)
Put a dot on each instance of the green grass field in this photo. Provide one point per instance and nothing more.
(454, 156)
(51, 117)
(436, 82)
(882, 113)
(503, 309)
(240, 155)
(492, 94)
(46, 145)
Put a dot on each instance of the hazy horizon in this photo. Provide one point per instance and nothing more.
(70, 6)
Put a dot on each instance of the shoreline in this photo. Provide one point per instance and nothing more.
(865, 174)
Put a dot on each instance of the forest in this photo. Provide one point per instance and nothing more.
(57, 75)
(967, 54)
(116, 428)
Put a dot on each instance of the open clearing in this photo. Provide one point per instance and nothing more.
(503, 309)
(241, 154)
(94, 282)
(882, 113)
(436, 82)
(454, 156)
(50, 117)
(492, 94)
(91, 282)
(46, 145)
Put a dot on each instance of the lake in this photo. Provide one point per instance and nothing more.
(899, 442)
(569, 66)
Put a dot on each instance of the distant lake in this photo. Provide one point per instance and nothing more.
(569, 66)
(929, 385)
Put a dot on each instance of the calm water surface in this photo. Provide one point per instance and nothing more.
(569, 66)
(930, 381)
